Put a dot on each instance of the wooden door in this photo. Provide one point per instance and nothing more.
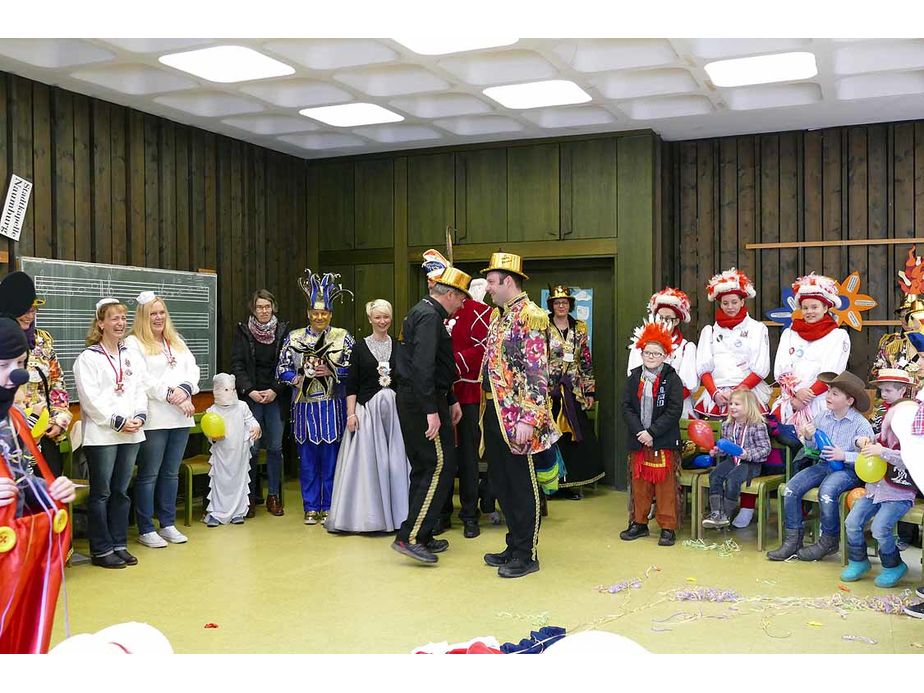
(430, 199)
(588, 194)
(335, 205)
(374, 203)
(533, 204)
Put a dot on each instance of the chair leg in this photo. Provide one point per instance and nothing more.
(187, 515)
(779, 510)
(843, 521)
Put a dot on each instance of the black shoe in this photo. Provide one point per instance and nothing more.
(496, 560)
(915, 610)
(108, 561)
(437, 545)
(920, 591)
(442, 525)
(471, 530)
(415, 551)
(635, 531)
(518, 567)
(126, 556)
(667, 538)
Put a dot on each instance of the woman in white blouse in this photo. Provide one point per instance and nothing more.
(171, 378)
(113, 407)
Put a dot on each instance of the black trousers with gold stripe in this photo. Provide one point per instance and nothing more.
(513, 482)
(433, 466)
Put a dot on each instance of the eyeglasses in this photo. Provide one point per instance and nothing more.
(653, 354)
(664, 319)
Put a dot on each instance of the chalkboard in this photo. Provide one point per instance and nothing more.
(71, 290)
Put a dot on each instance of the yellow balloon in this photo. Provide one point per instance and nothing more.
(38, 430)
(870, 468)
(213, 425)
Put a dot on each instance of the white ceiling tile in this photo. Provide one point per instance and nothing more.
(392, 81)
(597, 55)
(210, 104)
(878, 85)
(479, 125)
(324, 140)
(157, 45)
(298, 93)
(135, 79)
(569, 117)
(332, 54)
(771, 96)
(53, 53)
(712, 48)
(270, 124)
(666, 107)
(441, 105)
(635, 84)
(878, 57)
(398, 133)
(501, 67)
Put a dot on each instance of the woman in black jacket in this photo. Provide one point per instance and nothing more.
(651, 407)
(254, 356)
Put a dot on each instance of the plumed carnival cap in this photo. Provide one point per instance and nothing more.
(819, 287)
(675, 299)
(653, 330)
(851, 384)
(456, 279)
(559, 291)
(434, 262)
(322, 290)
(17, 294)
(892, 375)
(731, 281)
(505, 262)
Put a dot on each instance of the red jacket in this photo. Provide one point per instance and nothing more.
(469, 328)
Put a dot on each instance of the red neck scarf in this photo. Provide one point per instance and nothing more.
(727, 321)
(815, 330)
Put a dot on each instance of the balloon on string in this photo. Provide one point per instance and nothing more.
(701, 433)
(870, 468)
(729, 448)
(213, 425)
(822, 440)
(853, 495)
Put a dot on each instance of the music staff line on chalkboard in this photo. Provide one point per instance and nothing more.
(55, 318)
(72, 286)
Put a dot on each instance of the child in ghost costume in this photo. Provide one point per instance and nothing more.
(229, 476)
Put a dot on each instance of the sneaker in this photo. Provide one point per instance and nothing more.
(324, 515)
(518, 567)
(437, 545)
(312, 517)
(716, 520)
(415, 551)
(920, 591)
(496, 560)
(152, 540)
(173, 535)
(210, 521)
(237, 520)
(915, 610)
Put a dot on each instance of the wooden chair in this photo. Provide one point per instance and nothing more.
(690, 479)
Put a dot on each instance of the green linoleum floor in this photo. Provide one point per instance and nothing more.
(275, 585)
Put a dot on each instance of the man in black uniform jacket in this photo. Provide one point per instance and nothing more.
(428, 410)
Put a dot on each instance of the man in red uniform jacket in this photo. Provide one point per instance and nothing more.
(468, 328)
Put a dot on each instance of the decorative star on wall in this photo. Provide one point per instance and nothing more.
(852, 304)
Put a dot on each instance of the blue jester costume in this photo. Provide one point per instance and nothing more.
(319, 401)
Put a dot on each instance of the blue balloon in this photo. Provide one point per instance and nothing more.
(729, 448)
(701, 462)
(835, 465)
(822, 440)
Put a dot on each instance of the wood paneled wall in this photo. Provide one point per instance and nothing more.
(858, 182)
(115, 185)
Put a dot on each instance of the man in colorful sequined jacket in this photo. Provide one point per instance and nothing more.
(314, 361)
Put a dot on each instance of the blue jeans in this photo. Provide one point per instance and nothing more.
(267, 415)
(158, 477)
(110, 468)
(830, 487)
(884, 515)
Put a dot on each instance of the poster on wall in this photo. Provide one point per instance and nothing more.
(583, 308)
(14, 209)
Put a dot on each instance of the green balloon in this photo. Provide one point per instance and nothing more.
(870, 468)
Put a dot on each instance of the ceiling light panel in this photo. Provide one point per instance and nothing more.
(553, 92)
(442, 45)
(763, 69)
(352, 114)
(227, 64)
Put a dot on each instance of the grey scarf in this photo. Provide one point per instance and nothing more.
(647, 402)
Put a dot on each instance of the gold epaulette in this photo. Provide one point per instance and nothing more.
(535, 317)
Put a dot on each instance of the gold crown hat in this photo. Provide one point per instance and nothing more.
(913, 303)
(456, 279)
(559, 291)
(505, 262)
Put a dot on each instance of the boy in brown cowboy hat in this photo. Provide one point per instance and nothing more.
(843, 422)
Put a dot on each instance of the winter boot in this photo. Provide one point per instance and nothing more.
(792, 543)
(717, 517)
(855, 570)
(826, 545)
(893, 569)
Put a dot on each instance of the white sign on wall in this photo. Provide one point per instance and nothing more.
(14, 209)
